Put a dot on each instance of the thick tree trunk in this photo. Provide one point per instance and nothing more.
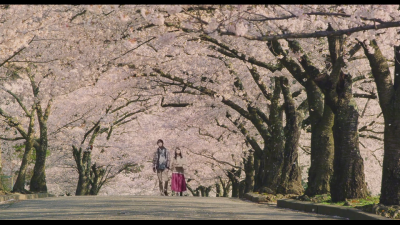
(389, 100)
(83, 163)
(291, 173)
(322, 153)
(274, 157)
(226, 189)
(207, 191)
(242, 186)
(390, 189)
(218, 190)
(1, 173)
(348, 179)
(320, 116)
(1, 180)
(249, 171)
(38, 181)
(203, 191)
(258, 171)
(19, 185)
(234, 175)
(96, 178)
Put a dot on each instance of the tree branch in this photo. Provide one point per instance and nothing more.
(316, 34)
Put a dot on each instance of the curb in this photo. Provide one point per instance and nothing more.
(258, 198)
(331, 210)
(4, 198)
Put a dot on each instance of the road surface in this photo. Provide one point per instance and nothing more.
(149, 208)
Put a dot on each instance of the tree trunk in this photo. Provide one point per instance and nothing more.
(83, 163)
(320, 116)
(96, 179)
(249, 171)
(1, 180)
(202, 190)
(291, 173)
(226, 189)
(233, 177)
(38, 180)
(322, 152)
(274, 157)
(19, 185)
(242, 186)
(390, 189)
(389, 100)
(218, 190)
(348, 179)
(207, 191)
(1, 173)
(258, 171)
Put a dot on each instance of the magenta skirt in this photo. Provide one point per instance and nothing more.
(178, 183)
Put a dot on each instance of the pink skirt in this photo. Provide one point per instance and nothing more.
(178, 183)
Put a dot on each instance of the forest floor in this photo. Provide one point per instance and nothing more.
(150, 207)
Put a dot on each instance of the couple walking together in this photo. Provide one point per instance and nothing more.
(162, 162)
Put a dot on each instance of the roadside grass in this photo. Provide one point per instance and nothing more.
(368, 204)
(370, 200)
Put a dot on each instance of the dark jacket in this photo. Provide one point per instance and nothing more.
(155, 158)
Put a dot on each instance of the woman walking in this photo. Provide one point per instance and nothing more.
(178, 184)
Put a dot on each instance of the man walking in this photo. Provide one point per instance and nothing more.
(161, 166)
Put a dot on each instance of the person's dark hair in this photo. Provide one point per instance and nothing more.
(162, 142)
(176, 154)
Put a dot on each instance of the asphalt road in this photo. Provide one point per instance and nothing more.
(148, 208)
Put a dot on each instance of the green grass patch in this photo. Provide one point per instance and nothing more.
(326, 199)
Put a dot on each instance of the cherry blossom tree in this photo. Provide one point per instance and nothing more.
(224, 26)
(217, 68)
(387, 90)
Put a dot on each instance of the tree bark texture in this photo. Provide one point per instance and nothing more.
(291, 173)
(233, 176)
(322, 153)
(1, 173)
(38, 181)
(218, 190)
(249, 171)
(19, 185)
(348, 179)
(274, 157)
(96, 179)
(322, 143)
(321, 118)
(389, 100)
(83, 163)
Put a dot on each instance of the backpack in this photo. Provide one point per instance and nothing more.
(163, 165)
